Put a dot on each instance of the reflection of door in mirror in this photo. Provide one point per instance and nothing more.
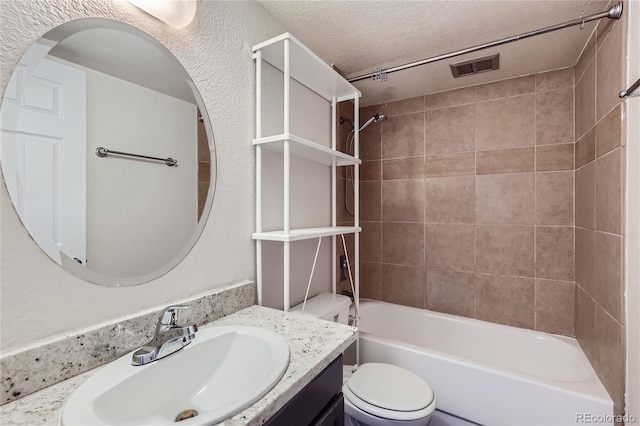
(43, 127)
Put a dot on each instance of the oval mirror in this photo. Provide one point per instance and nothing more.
(86, 95)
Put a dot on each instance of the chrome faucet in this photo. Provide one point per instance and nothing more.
(168, 338)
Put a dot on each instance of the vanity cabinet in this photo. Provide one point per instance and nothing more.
(326, 88)
(320, 403)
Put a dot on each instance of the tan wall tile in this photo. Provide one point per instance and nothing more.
(370, 170)
(586, 149)
(345, 110)
(554, 198)
(610, 357)
(506, 88)
(554, 117)
(504, 249)
(439, 200)
(370, 201)
(450, 165)
(403, 168)
(585, 101)
(450, 247)
(204, 171)
(554, 157)
(609, 192)
(555, 307)
(505, 300)
(403, 136)
(343, 216)
(349, 241)
(609, 285)
(451, 130)
(403, 243)
(554, 80)
(450, 199)
(371, 142)
(403, 107)
(370, 111)
(404, 285)
(451, 292)
(586, 196)
(609, 132)
(505, 198)
(515, 160)
(403, 200)
(586, 260)
(604, 27)
(370, 242)
(586, 57)
(371, 280)
(609, 62)
(505, 123)
(586, 323)
(450, 98)
(555, 254)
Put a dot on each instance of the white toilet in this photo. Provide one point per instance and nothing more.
(376, 394)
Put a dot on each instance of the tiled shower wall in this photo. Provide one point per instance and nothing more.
(467, 202)
(600, 159)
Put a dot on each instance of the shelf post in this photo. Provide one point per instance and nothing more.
(287, 174)
(356, 198)
(334, 206)
(258, 57)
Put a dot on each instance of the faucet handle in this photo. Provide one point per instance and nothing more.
(169, 316)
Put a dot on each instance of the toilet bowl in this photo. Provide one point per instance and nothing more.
(386, 395)
(376, 394)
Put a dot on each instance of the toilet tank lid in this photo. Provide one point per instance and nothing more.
(325, 305)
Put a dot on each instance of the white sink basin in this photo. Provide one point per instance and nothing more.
(222, 372)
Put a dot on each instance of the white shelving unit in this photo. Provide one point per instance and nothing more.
(297, 62)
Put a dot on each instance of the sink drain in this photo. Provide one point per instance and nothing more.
(186, 414)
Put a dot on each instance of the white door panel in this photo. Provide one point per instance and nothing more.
(43, 145)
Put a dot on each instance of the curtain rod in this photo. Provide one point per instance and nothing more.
(614, 12)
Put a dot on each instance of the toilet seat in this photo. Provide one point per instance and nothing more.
(389, 392)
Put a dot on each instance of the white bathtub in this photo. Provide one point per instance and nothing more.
(486, 373)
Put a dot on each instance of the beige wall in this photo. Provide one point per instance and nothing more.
(148, 123)
(600, 158)
(467, 202)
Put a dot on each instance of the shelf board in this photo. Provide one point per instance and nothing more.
(306, 67)
(306, 150)
(305, 233)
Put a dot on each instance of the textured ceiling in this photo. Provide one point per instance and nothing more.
(357, 36)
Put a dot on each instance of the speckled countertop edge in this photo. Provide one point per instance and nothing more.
(313, 344)
(28, 370)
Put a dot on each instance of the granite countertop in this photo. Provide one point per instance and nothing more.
(313, 344)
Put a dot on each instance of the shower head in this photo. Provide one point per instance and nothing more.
(376, 118)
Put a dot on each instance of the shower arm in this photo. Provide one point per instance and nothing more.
(614, 12)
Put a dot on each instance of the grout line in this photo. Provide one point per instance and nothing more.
(475, 219)
(424, 210)
(535, 213)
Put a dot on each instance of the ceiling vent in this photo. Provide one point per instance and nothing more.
(475, 66)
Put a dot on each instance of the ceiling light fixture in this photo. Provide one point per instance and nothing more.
(177, 13)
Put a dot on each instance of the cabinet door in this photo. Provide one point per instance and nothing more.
(333, 414)
(314, 401)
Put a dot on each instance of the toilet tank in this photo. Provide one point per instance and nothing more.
(327, 306)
